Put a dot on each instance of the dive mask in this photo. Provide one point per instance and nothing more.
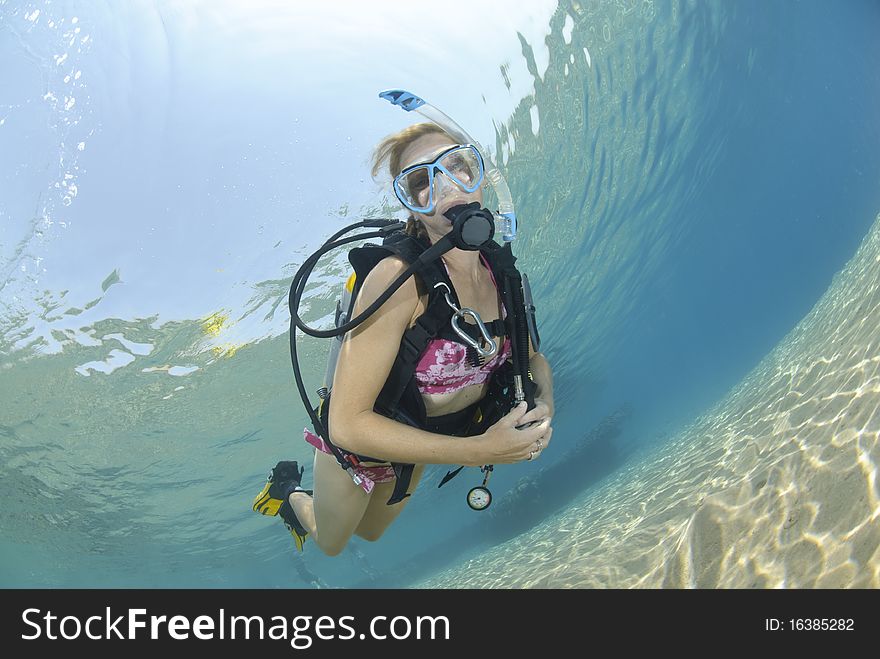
(420, 186)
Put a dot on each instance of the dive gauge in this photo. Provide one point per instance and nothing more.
(479, 498)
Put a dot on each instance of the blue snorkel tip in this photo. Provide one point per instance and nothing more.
(406, 100)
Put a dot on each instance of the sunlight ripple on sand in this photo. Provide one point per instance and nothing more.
(776, 486)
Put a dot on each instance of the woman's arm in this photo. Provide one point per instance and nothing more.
(365, 361)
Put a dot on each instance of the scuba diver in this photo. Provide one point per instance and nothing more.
(436, 356)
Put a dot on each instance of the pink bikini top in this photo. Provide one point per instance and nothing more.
(444, 366)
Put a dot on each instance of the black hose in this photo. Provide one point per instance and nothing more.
(298, 285)
(522, 340)
(518, 331)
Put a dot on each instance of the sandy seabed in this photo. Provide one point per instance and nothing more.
(774, 487)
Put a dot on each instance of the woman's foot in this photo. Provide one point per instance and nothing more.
(291, 522)
(273, 499)
(284, 478)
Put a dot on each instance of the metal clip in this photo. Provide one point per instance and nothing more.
(486, 469)
(356, 477)
(461, 313)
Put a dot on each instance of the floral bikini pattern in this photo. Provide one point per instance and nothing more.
(444, 367)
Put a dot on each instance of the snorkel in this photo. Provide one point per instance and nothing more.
(505, 217)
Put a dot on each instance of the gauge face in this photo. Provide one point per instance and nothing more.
(479, 498)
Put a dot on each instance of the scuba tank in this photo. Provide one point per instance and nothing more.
(344, 306)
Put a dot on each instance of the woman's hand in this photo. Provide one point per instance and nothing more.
(504, 443)
(540, 412)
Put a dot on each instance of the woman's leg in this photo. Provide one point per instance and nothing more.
(336, 509)
(379, 515)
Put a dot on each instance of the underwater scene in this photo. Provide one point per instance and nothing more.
(697, 190)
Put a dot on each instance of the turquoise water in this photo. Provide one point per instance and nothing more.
(690, 177)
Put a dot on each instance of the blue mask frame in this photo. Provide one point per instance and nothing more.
(432, 168)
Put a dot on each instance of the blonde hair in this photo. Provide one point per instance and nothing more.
(391, 149)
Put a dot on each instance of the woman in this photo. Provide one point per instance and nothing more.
(338, 507)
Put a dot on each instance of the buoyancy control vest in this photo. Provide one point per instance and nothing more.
(400, 398)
